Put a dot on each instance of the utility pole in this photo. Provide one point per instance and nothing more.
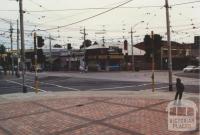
(133, 62)
(84, 44)
(169, 45)
(103, 39)
(50, 51)
(153, 61)
(161, 58)
(11, 43)
(22, 44)
(18, 52)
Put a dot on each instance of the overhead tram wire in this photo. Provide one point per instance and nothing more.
(75, 9)
(37, 4)
(137, 7)
(79, 13)
(185, 3)
(5, 20)
(88, 18)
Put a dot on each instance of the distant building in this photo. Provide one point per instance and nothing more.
(101, 58)
(63, 59)
(181, 55)
(196, 47)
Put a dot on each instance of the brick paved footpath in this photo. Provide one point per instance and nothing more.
(87, 116)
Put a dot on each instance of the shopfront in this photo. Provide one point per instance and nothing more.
(104, 59)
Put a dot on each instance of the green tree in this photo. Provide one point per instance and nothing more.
(95, 43)
(153, 46)
(41, 56)
(57, 46)
(87, 43)
(148, 47)
(2, 49)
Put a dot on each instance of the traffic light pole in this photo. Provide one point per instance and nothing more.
(50, 51)
(153, 62)
(36, 75)
(22, 44)
(133, 63)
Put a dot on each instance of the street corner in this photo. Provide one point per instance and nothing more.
(87, 115)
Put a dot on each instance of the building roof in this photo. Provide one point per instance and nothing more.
(96, 47)
(137, 51)
(164, 44)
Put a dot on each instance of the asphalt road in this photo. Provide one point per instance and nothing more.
(53, 84)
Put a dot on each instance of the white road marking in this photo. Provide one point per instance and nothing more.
(158, 88)
(59, 80)
(109, 88)
(25, 85)
(59, 86)
(49, 81)
(121, 87)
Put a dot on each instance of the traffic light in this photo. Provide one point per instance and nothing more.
(125, 45)
(41, 57)
(69, 46)
(40, 41)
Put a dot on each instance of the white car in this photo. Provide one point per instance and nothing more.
(189, 68)
(196, 69)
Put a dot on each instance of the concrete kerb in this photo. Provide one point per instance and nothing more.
(147, 94)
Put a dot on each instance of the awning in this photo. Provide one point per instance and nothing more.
(116, 56)
(51, 59)
(102, 56)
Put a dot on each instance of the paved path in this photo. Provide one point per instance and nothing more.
(88, 113)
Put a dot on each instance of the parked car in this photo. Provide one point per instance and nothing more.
(189, 68)
(196, 69)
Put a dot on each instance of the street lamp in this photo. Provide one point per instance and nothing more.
(133, 61)
(84, 46)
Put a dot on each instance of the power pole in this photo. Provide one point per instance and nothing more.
(22, 44)
(133, 62)
(18, 52)
(11, 43)
(103, 39)
(169, 45)
(50, 51)
(153, 61)
(84, 44)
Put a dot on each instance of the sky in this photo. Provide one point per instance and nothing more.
(143, 16)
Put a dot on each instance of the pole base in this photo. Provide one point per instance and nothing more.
(17, 74)
(170, 88)
(24, 89)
